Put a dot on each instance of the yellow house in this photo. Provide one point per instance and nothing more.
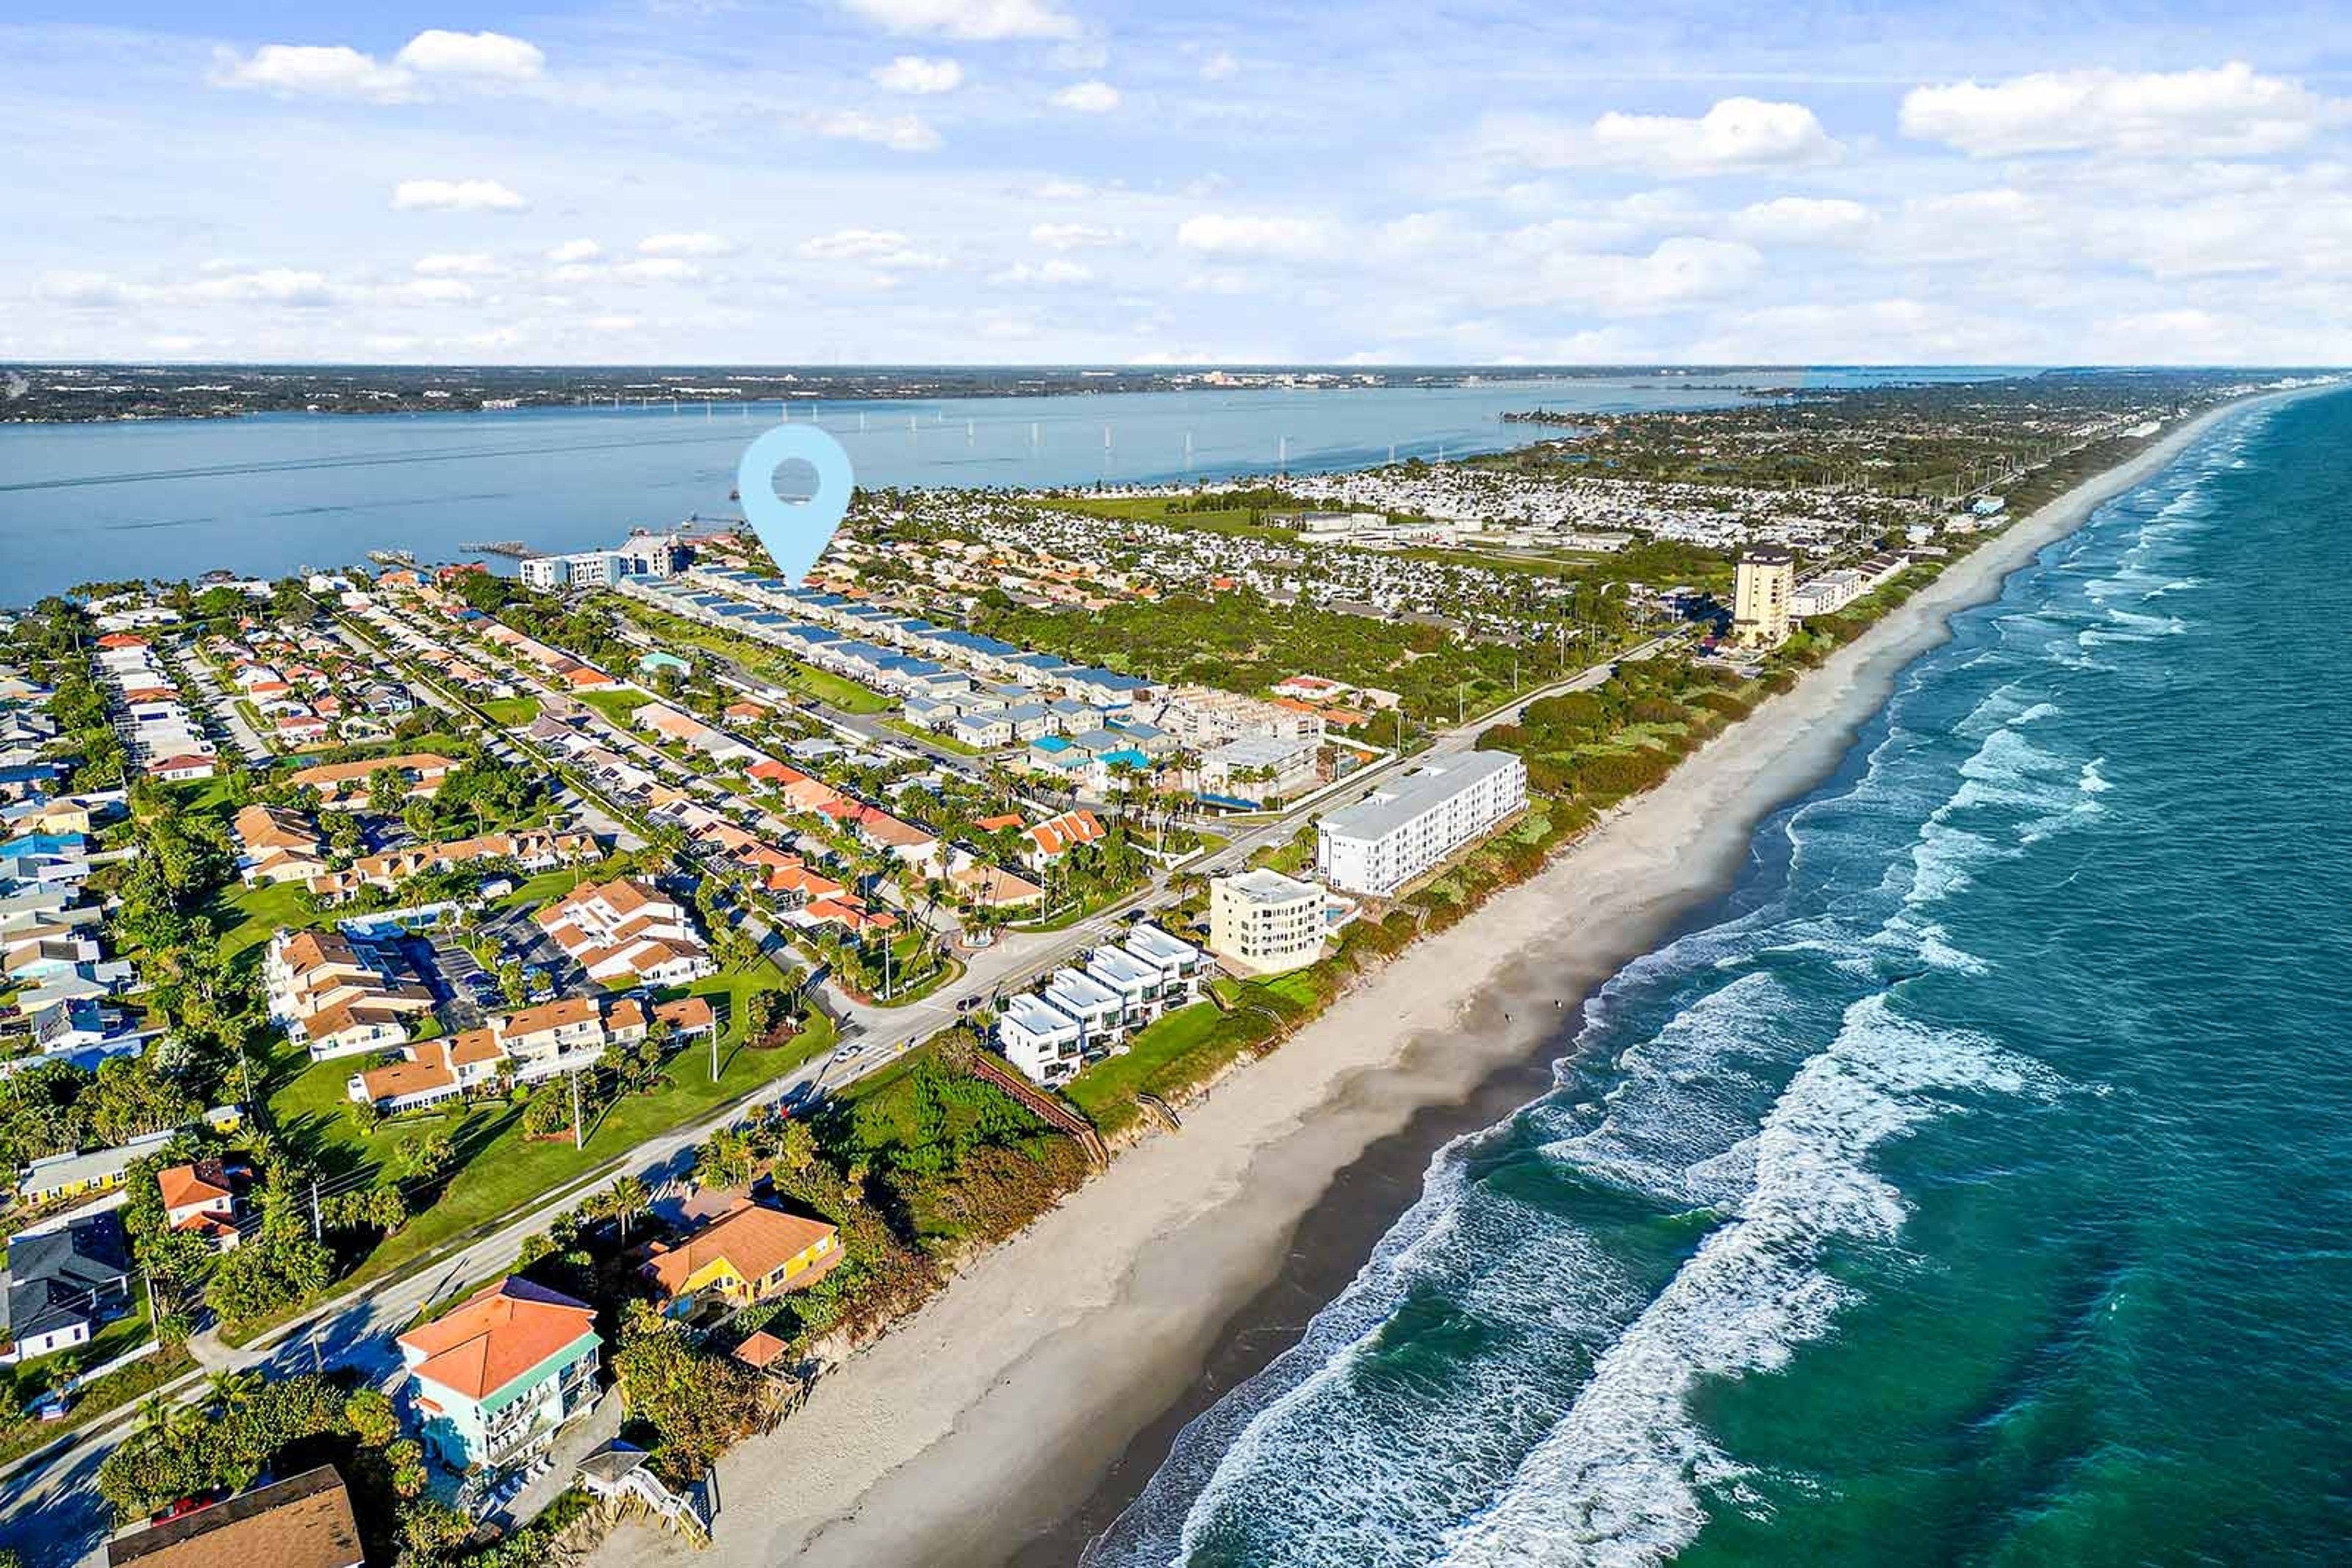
(55, 817)
(746, 1255)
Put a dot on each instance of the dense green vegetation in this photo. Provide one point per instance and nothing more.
(1242, 643)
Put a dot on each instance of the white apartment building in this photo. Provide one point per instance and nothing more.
(642, 555)
(1402, 829)
(1265, 922)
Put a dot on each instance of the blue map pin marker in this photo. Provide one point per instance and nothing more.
(795, 532)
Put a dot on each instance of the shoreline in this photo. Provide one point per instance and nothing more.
(1013, 1416)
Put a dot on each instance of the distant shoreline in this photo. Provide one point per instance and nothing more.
(1013, 1416)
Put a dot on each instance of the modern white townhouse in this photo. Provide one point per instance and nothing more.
(1042, 1042)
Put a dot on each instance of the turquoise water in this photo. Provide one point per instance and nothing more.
(175, 499)
(1970, 1187)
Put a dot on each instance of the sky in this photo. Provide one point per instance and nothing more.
(838, 181)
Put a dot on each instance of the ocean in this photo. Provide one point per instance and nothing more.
(268, 493)
(1969, 1186)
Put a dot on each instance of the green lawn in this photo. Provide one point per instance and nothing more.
(945, 742)
(765, 661)
(1106, 1091)
(834, 690)
(514, 712)
(545, 887)
(1163, 509)
(21, 1383)
(617, 706)
(249, 917)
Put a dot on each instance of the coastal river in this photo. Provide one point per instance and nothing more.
(267, 493)
(1970, 1186)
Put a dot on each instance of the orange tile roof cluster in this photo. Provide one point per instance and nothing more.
(425, 771)
(510, 1329)
(751, 1238)
(1057, 836)
(396, 865)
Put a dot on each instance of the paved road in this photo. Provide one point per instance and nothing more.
(52, 1513)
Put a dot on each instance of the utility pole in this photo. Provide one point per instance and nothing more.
(317, 1228)
(579, 1133)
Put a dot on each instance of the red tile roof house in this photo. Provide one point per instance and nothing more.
(498, 1375)
(1057, 836)
(201, 1200)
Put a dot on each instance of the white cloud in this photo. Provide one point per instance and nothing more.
(1087, 97)
(900, 133)
(881, 247)
(915, 74)
(975, 19)
(613, 323)
(337, 70)
(1072, 236)
(1802, 220)
(1219, 66)
(314, 70)
(1680, 272)
(84, 290)
(493, 56)
(696, 244)
(657, 270)
(1231, 233)
(575, 250)
(456, 264)
(433, 291)
(1736, 135)
(2231, 111)
(1054, 273)
(455, 196)
(269, 285)
(1062, 191)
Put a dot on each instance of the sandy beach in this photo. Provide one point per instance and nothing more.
(978, 1429)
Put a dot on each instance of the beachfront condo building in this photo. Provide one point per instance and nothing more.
(498, 1375)
(1761, 589)
(1405, 828)
(1265, 922)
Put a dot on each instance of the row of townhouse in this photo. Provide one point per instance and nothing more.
(627, 932)
(524, 1046)
(165, 740)
(676, 724)
(531, 849)
(336, 998)
(345, 786)
(1083, 1011)
(899, 653)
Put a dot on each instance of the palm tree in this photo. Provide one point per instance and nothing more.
(156, 1415)
(629, 1197)
(230, 1391)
